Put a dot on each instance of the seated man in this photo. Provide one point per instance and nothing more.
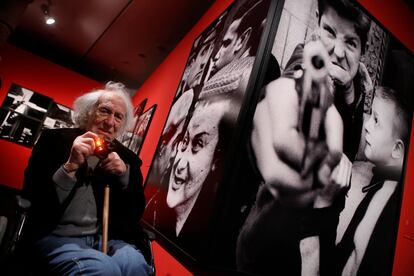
(65, 181)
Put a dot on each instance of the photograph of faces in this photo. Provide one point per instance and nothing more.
(134, 138)
(328, 144)
(22, 115)
(187, 169)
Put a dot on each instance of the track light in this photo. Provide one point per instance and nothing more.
(49, 20)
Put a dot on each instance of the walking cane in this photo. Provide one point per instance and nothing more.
(102, 149)
(105, 220)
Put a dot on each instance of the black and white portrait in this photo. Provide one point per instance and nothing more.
(22, 114)
(187, 169)
(328, 144)
(59, 116)
(134, 137)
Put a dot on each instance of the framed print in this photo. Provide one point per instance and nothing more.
(59, 116)
(22, 114)
(128, 137)
(187, 182)
(140, 130)
(324, 172)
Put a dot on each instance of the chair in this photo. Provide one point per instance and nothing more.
(13, 212)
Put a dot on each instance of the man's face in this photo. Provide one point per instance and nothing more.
(227, 50)
(197, 66)
(194, 159)
(343, 45)
(108, 117)
(379, 128)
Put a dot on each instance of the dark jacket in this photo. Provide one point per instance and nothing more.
(52, 151)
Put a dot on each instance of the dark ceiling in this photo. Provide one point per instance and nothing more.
(120, 40)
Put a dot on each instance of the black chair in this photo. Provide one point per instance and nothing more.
(13, 210)
(13, 213)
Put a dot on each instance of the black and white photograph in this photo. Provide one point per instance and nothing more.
(328, 144)
(134, 138)
(129, 139)
(188, 166)
(59, 116)
(22, 115)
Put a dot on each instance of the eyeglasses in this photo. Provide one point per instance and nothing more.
(105, 112)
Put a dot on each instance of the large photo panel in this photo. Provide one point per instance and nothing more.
(328, 147)
(187, 169)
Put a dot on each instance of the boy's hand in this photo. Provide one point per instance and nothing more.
(334, 175)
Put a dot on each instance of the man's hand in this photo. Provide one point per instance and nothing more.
(113, 164)
(83, 146)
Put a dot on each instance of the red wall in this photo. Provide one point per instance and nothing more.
(161, 87)
(44, 77)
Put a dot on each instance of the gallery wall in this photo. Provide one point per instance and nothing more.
(41, 76)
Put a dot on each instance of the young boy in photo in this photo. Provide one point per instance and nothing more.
(367, 241)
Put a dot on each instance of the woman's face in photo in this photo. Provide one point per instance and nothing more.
(194, 159)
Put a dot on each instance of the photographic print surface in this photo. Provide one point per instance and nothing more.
(22, 115)
(59, 116)
(134, 138)
(187, 169)
(128, 137)
(328, 144)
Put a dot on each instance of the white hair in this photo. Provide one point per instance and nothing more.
(85, 105)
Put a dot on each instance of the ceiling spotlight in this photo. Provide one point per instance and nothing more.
(49, 20)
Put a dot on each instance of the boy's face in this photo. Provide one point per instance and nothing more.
(343, 45)
(380, 138)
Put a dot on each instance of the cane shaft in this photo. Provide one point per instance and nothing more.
(105, 220)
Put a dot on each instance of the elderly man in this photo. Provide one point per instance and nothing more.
(65, 181)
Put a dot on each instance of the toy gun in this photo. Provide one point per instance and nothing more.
(315, 101)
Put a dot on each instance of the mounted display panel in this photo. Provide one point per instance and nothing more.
(323, 177)
(24, 114)
(134, 137)
(184, 185)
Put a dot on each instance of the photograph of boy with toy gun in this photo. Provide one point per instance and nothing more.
(297, 133)
(297, 139)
